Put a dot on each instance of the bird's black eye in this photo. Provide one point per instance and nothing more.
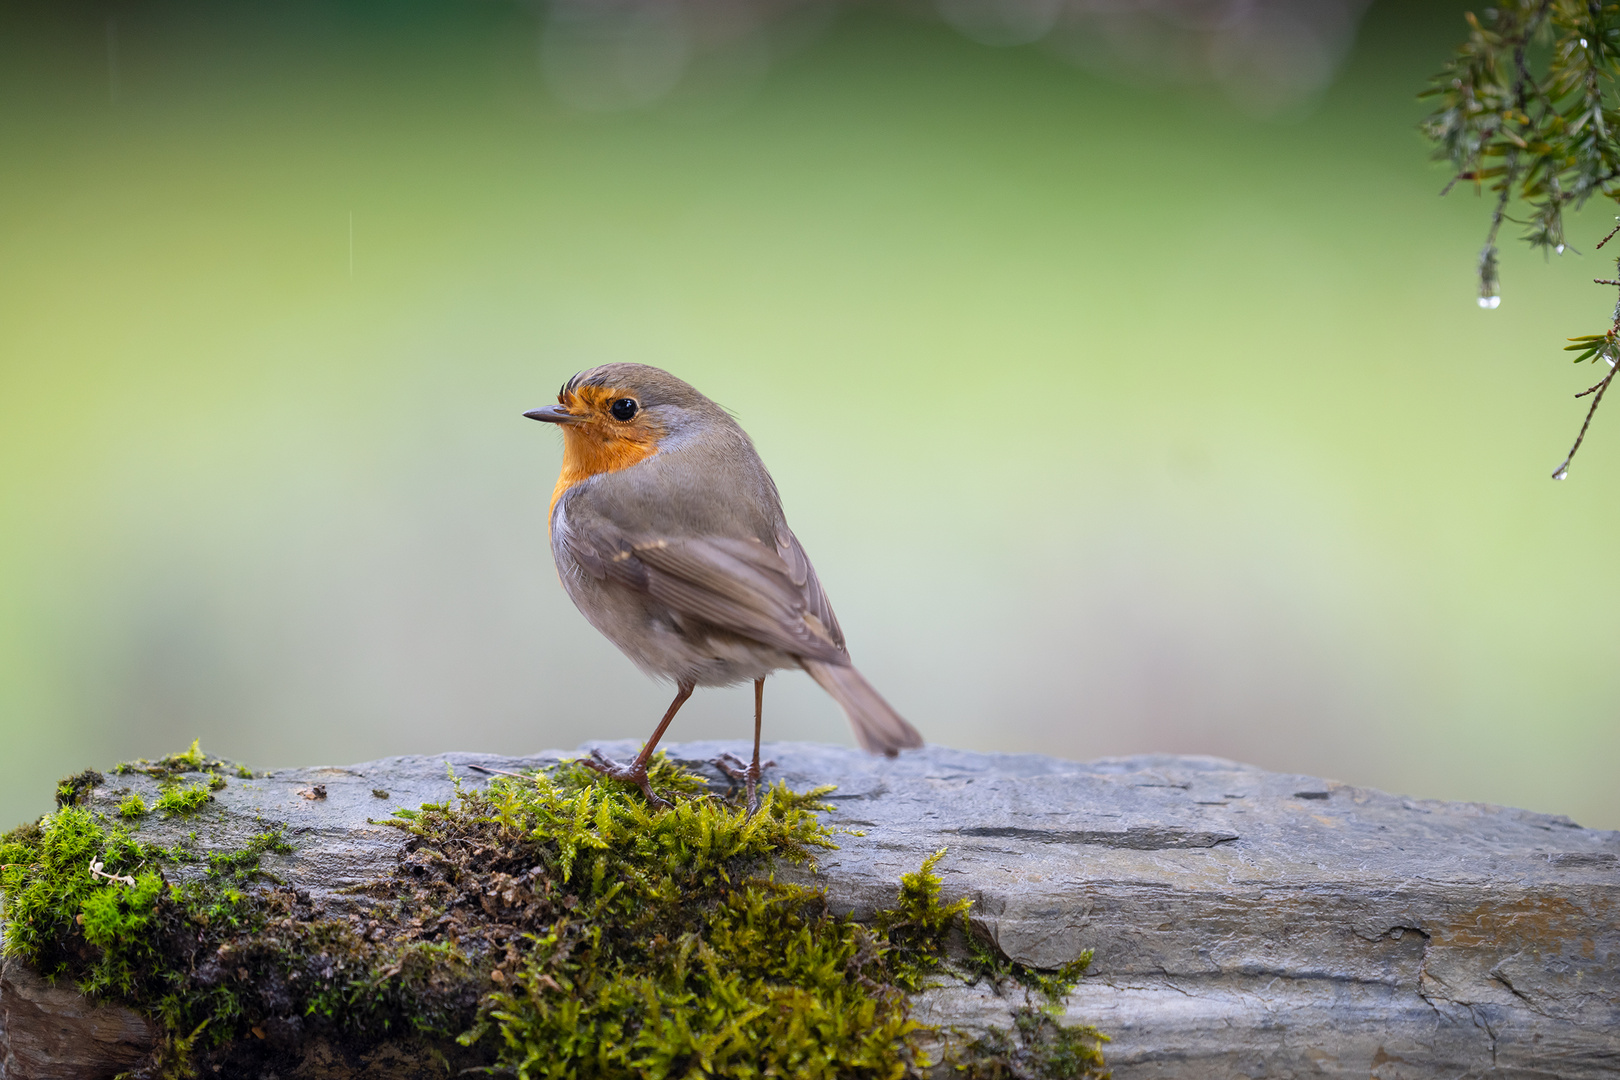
(624, 408)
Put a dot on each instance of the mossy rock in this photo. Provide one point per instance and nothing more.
(548, 924)
(1245, 922)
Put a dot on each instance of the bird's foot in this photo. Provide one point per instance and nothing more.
(629, 774)
(748, 772)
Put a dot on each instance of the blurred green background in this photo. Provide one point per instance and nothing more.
(1118, 416)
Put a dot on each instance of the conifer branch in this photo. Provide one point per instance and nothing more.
(1521, 110)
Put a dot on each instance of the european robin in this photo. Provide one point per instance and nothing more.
(669, 536)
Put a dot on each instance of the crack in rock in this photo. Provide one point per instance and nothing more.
(1147, 838)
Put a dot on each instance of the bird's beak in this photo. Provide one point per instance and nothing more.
(554, 414)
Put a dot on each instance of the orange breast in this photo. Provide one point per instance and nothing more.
(591, 448)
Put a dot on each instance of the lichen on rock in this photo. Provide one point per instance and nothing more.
(546, 925)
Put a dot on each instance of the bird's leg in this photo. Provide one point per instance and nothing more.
(733, 766)
(636, 772)
(755, 769)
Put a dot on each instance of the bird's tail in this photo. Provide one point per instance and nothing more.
(878, 728)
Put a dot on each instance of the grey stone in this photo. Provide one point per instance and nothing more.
(1244, 923)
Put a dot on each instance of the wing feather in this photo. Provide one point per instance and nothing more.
(803, 574)
(738, 585)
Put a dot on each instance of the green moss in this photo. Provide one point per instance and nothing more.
(75, 790)
(984, 961)
(1037, 1048)
(179, 801)
(133, 806)
(191, 759)
(659, 953)
(553, 926)
(170, 768)
(919, 926)
(46, 879)
(1054, 985)
(116, 920)
(20, 842)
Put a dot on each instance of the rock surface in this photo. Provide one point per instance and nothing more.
(1244, 923)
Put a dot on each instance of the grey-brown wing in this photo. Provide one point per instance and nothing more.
(737, 585)
(803, 575)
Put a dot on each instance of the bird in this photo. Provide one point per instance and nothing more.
(668, 534)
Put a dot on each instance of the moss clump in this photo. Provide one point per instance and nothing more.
(1054, 985)
(169, 769)
(656, 953)
(45, 876)
(552, 926)
(188, 760)
(179, 801)
(86, 899)
(22, 838)
(919, 926)
(1037, 1048)
(75, 790)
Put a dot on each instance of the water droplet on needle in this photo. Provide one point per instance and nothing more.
(1490, 302)
(1563, 472)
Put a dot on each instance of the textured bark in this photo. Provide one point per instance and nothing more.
(52, 1033)
(1244, 923)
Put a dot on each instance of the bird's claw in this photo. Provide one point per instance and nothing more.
(603, 765)
(738, 769)
(747, 772)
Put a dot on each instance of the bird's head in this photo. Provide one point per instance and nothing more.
(616, 415)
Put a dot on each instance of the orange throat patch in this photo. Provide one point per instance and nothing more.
(598, 443)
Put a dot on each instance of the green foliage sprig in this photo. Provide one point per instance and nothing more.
(1525, 108)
